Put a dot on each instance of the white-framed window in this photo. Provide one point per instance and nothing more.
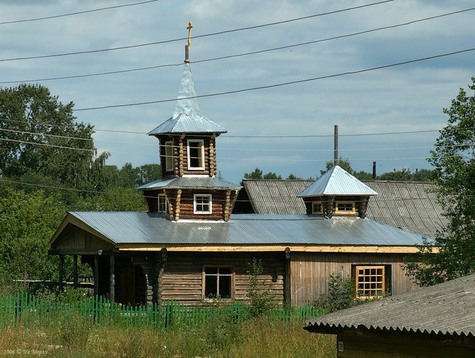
(162, 203)
(317, 207)
(217, 282)
(169, 157)
(345, 208)
(196, 154)
(202, 204)
(370, 281)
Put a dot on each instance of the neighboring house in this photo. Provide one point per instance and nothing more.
(436, 321)
(406, 204)
(191, 248)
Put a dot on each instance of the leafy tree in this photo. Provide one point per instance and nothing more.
(258, 174)
(28, 221)
(453, 160)
(39, 134)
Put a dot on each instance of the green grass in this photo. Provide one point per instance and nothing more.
(258, 337)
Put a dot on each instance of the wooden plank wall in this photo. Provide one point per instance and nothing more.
(182, 279)
(310, 273)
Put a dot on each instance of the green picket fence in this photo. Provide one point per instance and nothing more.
(27, 310)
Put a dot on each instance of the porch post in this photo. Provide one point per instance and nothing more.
(96, 275)
(112, 278)
(61, 273)
(75, 271)
(161, 271)
(288, 278)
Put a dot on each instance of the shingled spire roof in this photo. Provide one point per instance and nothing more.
(187, 117)
(337, 181)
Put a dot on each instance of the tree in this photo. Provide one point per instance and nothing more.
(27, 222)
(258, 174)
(38, 134)
(453, 160)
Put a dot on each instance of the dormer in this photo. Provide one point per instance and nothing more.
(337, 193)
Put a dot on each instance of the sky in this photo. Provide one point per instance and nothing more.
(278, 75)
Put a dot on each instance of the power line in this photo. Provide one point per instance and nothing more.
(75, 13)
(47, 145)
(197, 36)
(282, 84)
(250, 53)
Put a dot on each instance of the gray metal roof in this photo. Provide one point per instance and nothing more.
(337, 181)
(447, 308)
(410, 205)
(193, 182)
(186, 117)
(245, 229)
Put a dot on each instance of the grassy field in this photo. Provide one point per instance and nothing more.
(257, 337)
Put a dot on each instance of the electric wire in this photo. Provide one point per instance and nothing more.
(186, 38)
(10, 22)
(250, 53)
(282, 84)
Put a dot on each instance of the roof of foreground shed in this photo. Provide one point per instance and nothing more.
(447, 308)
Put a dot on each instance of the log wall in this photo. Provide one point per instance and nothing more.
(182, 278)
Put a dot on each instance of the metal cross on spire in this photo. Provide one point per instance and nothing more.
(188, 45)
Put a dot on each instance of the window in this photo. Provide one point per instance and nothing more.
(370, 281)
(202, 204)
(162, 203)
(196, 154)
(317, 207)
(169, 157)
(345, 207)
(217, 282)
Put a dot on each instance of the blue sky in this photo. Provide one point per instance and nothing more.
(389, 115)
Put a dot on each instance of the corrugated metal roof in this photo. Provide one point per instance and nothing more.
(245, 229)
(194, 182)
(410, 205)
(337, 181)
(186, 117)
(447, 308)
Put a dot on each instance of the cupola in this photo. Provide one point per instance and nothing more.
(337, 193)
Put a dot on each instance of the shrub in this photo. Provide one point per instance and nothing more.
(261, 300)
(341, 294)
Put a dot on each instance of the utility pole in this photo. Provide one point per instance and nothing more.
(335, 145)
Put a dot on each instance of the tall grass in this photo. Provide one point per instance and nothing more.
(257, 337)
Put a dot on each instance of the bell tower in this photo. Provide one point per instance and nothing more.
(189, 188)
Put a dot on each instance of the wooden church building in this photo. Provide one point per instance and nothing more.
(189, 246)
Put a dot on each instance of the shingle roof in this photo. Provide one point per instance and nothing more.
(246, 229)
(186, 117)
(337, 181)
(447, 308)
(409, 205)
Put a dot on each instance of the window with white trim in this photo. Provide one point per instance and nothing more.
(202, 204)
(345, 208)
(317, 207)
(162, 203)
(169, 157)
(370, 281)
(196, 154)
(217, 282)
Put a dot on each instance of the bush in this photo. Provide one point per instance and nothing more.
(261, 300)
(341, 294)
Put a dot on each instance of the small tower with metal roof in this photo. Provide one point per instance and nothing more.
(337, 193)
(189, 188)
